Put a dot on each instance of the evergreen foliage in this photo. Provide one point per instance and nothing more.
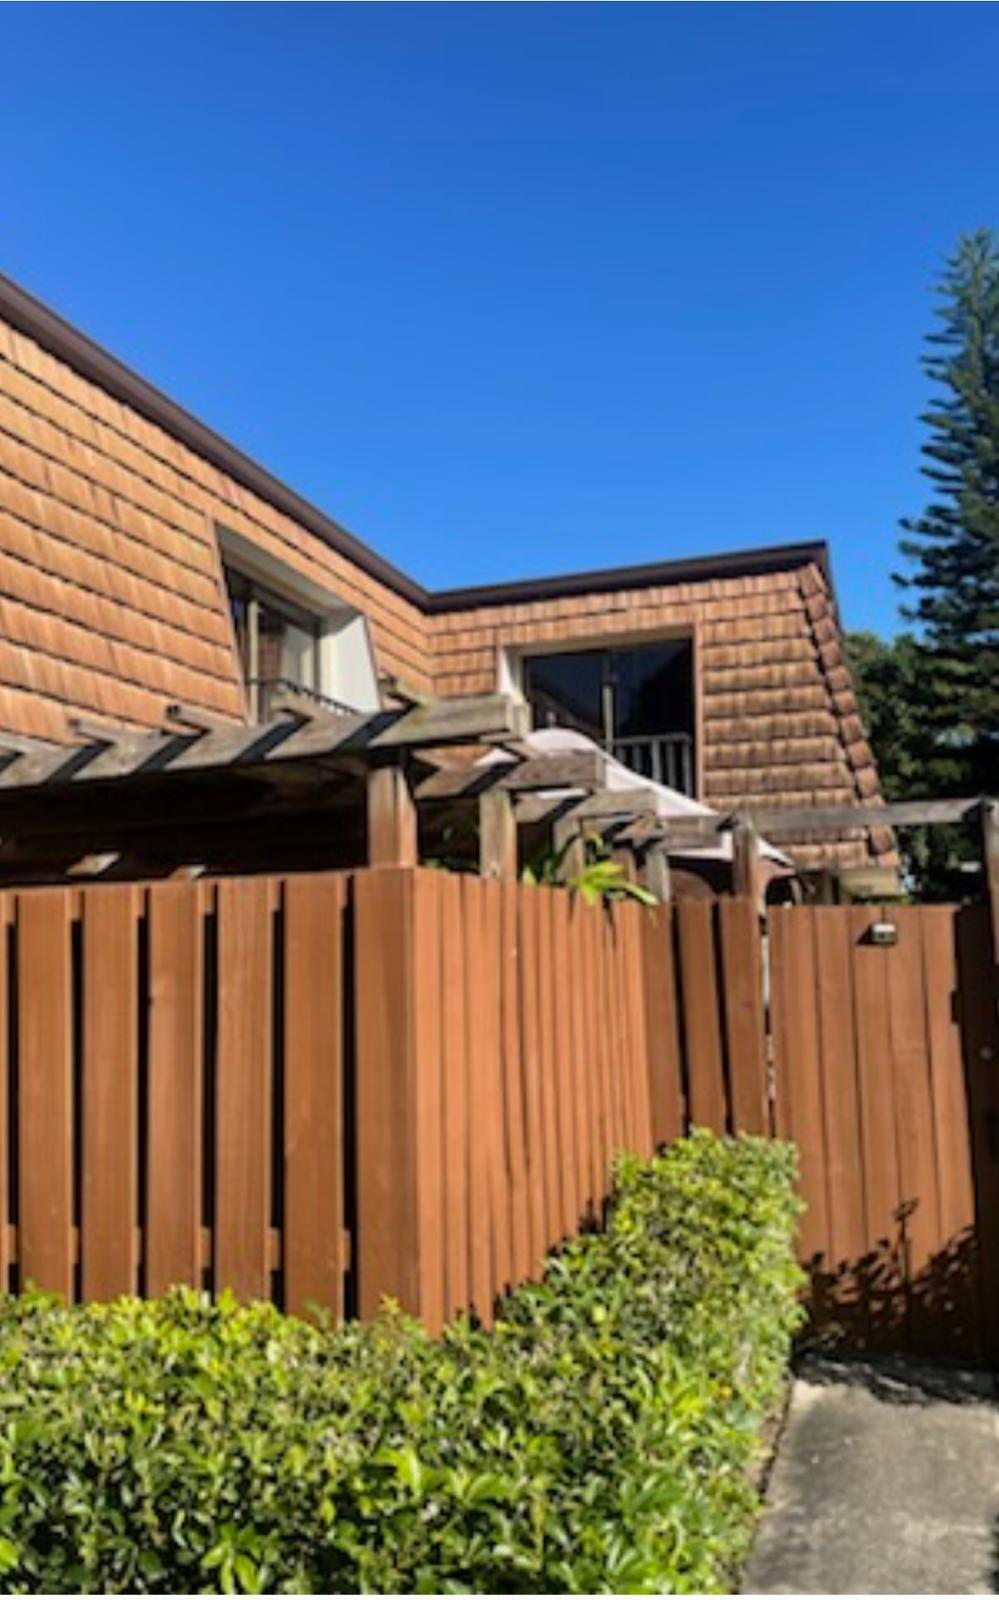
(930, 698)
(953, 548)
(601, 1438)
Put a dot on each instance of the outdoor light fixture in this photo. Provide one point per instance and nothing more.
(883, 933)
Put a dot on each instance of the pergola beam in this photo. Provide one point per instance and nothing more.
(577, 769)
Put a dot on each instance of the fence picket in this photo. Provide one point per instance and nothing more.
(45, 1090)
(110, 1092)
(313, 1221)
(529, 903)
(243, 1088)
(499, 1166)
(513, 1083)
(742, 997)
(841, 1113)
(957, 1257)
(174, 1156)
(706, 1096)
(666, 1090)
(456, 1106)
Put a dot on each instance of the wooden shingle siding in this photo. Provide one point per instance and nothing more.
(110, 602)
(777, 713)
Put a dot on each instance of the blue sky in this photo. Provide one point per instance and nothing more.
(510, 289)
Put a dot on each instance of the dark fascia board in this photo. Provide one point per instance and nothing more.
(696, 569)
(100, 367)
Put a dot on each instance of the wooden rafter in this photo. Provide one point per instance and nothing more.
(104, 754)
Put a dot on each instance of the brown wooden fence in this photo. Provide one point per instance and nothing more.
(540, 1037)
(324, 1088)
(886, 1062)
(173, 1065)
(328, 1088)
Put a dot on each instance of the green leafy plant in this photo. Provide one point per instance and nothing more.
(602, 878)
(599, 1438)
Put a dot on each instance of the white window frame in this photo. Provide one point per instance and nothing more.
(345, 663)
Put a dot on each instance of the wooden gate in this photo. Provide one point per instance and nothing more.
(886, 1075)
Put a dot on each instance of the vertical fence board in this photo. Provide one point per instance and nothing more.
(529, 902)
(499, 1164)
(977, 1010)
(174, 1172)
(957, 1265)
(635, 999)
(480, 1125)
(919, 1201)
(513, 1083)
(582, 1052)
(660, 1009)
(313, 1087)
(742, 990)
(593, 1011)
(566, 1066)
(428, 999)
(621, 1084)
(45, 1087)
(547, 991)
(243, 1087)
(798, 1068)
(385, 1253)
(627, 1030)
(841, 1114)
(110, 1092)
(701, 1013)
(456, 1106)
(617, 1126)
(885, 1290)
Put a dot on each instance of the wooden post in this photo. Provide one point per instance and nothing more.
(392, 836)
(497, 835)
(655, 874)
(746, 861)
(568, 832)
(624, 856)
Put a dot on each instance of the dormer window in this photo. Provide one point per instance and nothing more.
(297, 640)
(635, 700)
(278, 642)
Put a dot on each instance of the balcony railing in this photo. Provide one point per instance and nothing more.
(664, 757)
(266, 693)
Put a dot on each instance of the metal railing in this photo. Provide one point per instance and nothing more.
(664, 757)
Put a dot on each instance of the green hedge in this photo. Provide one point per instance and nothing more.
(600, 1438)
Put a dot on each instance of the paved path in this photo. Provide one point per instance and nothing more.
(886, 1482)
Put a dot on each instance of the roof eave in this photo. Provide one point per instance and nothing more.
(100, 367)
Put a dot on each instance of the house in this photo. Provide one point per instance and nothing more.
(144, 562)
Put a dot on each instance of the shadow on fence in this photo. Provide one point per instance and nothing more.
(876, 1304)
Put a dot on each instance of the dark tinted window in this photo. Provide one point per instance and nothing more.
(653, 689)
(568, 689)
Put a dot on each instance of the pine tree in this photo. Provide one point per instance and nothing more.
(954, 545)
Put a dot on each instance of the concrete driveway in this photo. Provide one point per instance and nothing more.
(886, 1482)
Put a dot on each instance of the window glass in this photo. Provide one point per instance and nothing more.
(637, 701)
(653, 689)
(298, 656)
(568, 689)
(277, 640)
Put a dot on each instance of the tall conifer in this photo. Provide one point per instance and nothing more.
(953, 548)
